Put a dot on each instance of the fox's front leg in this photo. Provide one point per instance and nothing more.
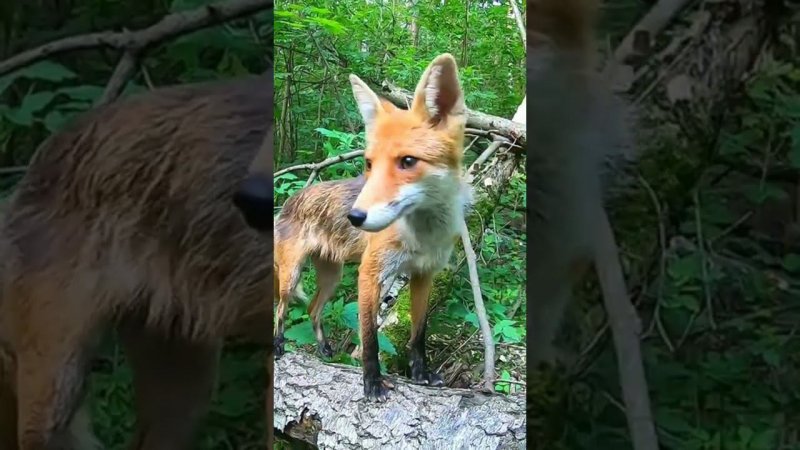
(369, 288)
(420, 285)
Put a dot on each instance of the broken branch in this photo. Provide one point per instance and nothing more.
(169, 27)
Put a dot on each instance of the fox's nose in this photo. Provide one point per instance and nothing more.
(254, 199)
(357, 217)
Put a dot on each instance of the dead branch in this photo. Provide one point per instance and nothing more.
(323, 404)
(122, 73)
(639, 40)
(316, 167)
(511, 130)
(480, 310)
(169, 27)
(518, 18)
(625, 329)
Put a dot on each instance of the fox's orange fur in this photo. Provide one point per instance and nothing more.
(403, 215)
(125, 222)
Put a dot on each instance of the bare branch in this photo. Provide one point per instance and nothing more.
(640, 39)
(122, 73)
(169, 27)
(520, 24)
(316, 167)
(480, 310)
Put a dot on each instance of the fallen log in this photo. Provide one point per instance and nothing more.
(324, 405)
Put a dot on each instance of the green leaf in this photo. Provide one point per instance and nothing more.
(54, 120)
(385, 345)
(791, 262)
(46, 70)
(301, 334)
(771, 357)
(472, 318)
(35, 102)
(85, 93)
(350, 315)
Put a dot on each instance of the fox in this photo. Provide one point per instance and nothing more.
(403, 214)
(126, 221)
(581, 148)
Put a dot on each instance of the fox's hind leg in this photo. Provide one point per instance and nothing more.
(173, 382)
(53, 350)
(420, 288)
(289, 261)
(329, 274)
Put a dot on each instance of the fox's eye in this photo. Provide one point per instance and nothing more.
(407, 162)
(368, 164)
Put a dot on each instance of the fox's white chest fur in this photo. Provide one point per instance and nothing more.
(429, 233)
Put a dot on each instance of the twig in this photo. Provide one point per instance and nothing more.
(122, 73)
(662, 243)
(480, 309)
(169, 27)
(625, 329)
(316, 167)
(13, 170)
(518, 19)
(147, 80)
(701, 245)
(482, 159)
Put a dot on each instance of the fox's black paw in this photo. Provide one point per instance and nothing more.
(325, 349)
(376, 388)
(427, 378)
(278, 347)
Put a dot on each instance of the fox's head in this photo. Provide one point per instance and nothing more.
(412, 157)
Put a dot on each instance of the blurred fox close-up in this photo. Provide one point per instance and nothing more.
(248, 224)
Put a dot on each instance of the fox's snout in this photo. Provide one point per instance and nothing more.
(357, 217)
(254, 199)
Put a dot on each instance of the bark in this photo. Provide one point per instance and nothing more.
(323, 404)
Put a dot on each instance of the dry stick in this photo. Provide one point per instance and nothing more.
(169, 27)
(122, 73)
(662, 242)
(659, 16)
(520, 25)
(625, 329)
(480, 309)
(316, 167)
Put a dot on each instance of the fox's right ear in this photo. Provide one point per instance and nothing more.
(368, 102)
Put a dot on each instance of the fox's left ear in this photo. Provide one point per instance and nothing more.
(438, 96)
(368, 102)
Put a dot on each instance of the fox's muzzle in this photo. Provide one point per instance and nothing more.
(357, 217)
(254, 198)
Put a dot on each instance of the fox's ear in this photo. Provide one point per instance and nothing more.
(438, 95)
(368, 103)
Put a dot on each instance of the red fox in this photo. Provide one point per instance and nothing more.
(125, 221)
(403, 215)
